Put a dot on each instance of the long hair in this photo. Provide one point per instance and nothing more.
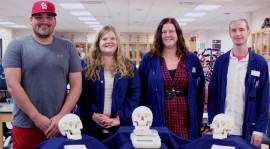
(158, 44)
(120, 63)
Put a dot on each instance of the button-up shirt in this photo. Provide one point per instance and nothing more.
(235, 92)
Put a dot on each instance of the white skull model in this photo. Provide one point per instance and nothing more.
(222, 126)
(70, 125)
(142, 118)
(142, 136)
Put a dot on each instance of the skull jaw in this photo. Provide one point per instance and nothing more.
(74, 137)
(74, 134)
(142, 131)
(220, 135)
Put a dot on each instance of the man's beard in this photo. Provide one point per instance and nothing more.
(43, 35)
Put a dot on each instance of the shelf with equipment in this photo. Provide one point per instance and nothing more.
(135, 50)
(261, 42)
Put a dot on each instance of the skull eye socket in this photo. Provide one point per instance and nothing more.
(223, 123)
(70, 124)
(138, 114)
(146, 115)
(77, 125)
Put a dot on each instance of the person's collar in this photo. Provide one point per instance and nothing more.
(239, 58)
(43, 41)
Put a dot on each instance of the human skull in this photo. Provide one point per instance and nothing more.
(70, 125)
(222, 126)
(142, 117)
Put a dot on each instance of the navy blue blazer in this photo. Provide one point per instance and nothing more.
(125, 98)
(153, 91)
(257, 97)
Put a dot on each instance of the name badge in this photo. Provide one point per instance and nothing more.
(255, 73)
(193, 70)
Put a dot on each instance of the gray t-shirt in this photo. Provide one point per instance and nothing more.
(45, 70)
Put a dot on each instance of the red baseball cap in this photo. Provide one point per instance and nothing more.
(43, 6)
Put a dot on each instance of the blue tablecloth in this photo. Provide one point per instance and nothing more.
(121, 139)
(207, 141)
(60, 142)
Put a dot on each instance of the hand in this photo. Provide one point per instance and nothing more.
(53, 129)
(256, 140)
(207, 132)
(100, 118)
(42, 122)
(111, 122)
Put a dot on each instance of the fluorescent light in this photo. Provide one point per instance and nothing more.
(18, 26)
(182, 24)
(185, 20)
(87, 18)
(197, 14)
(92, 22)
(7, 23)
(95, 25)
(97, 29)
(80, 13)
(207, 7)
(72, 5)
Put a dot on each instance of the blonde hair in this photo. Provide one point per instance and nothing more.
(239, 19)
(120, 63)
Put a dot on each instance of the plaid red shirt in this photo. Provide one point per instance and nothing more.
(176, 109)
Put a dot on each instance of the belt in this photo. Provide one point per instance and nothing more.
(172, 93)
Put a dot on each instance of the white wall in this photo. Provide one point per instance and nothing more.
(21, 32)
(258, 18)
(6, 36)
(204, 39)
(226, 43)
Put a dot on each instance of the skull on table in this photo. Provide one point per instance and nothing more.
(70, 125)
(142, 118)
(222, 126)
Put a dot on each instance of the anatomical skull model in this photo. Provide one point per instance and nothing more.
(222, 126)
(142, 136)
(70, 125)
(142, 119)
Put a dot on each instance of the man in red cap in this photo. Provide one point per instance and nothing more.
(38, 68)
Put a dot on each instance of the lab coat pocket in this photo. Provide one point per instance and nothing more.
(254, 85)
(196, 82)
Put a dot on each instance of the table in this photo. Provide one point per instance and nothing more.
(207, 141)
(121, 139)
(61, 141)
(5, 116)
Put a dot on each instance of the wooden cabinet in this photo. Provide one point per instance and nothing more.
(192, 44)
(86, 46)
(261, 42)
(135, 50)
